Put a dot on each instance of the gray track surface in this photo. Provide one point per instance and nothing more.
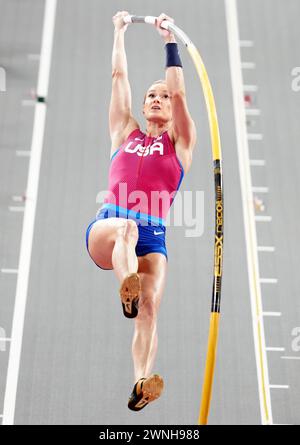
(274, 28)
(76, 363)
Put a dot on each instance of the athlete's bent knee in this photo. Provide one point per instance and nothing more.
(129, 231)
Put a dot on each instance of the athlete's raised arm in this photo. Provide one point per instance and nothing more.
(121, 121)
(184, 130)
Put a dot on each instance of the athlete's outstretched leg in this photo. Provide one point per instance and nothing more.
(152, 272)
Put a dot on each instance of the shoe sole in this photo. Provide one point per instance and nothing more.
(129, 293)
(152, 388)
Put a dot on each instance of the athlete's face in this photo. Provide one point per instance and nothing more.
(157, 105)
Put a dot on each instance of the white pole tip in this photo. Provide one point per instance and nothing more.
(127, 19)
(150, 19)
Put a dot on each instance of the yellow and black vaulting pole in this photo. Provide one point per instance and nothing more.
(219, 207)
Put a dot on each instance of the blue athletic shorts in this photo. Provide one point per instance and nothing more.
(151, 237)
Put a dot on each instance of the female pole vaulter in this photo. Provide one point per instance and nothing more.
(130, 238)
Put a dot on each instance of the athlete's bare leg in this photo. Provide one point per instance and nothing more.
(152, 271)
(124, 259)
(112, 244)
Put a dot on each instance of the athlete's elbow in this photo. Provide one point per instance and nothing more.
(178, 93)
(118, 73)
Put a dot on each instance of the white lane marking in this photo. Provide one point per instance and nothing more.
(16, 208)
(248, 213)
(23, 153)
(6, 339)
(260, 189)
(266, 249)
(252, 112)
(272, 314)
(248, 65)
(246, 43)
(9, 270)
(254, 136)
(250, 88)
(275, 349)
(257, 162)
(29, 216)
(268, 280)
(290, 357)
(46, 50)
(261, 218)
(279, 386)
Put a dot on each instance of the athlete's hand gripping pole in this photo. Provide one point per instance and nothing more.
(219, 206)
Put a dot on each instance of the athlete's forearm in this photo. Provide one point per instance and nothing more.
(174, 74)
(175, 80)
(119, 59)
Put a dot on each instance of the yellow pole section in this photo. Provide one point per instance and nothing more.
(209, 99)
(215, 316)
(217, 157)
(209, 368)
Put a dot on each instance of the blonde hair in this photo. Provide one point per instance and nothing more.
(159, 81)
(154, 83)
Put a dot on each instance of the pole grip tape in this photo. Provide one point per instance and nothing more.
(149, 19)
(140, 19)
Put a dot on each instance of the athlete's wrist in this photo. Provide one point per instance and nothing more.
(120, 31)
(172, 55)
(170, 39)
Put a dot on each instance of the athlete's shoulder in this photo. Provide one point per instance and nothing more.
(136, 132)
(117, 139)
(170, 136)
(132, 126)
